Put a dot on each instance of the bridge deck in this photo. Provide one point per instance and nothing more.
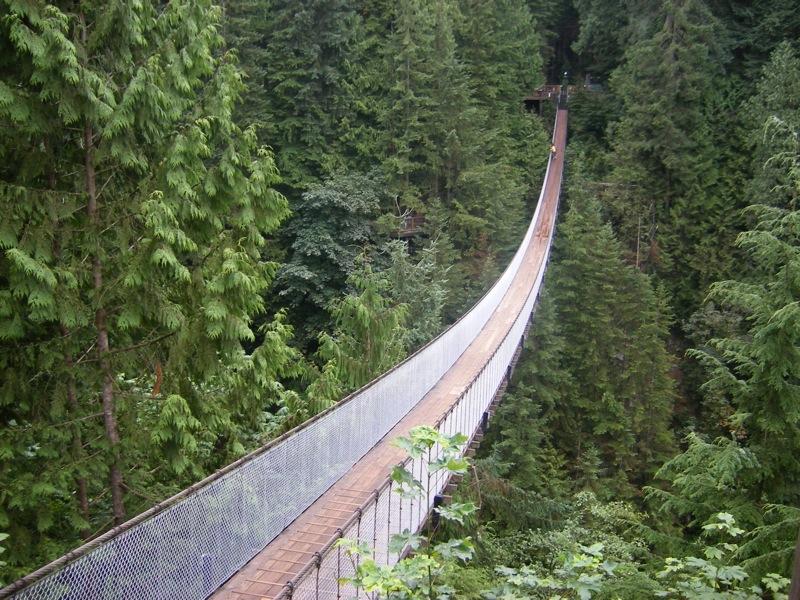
(266, 574)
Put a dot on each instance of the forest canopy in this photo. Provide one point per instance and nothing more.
(206, 241)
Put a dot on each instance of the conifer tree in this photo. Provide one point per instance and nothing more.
(135, 213)
(406, 115)
(331, 224)
(301, 62)
(752, 366)
(756, 369)
(418, 283)
(368, 334)
(602, 34)
(777, 100)
(669, 208)
(756, 30)
(592, 394)
(521, 446)
(614, 329)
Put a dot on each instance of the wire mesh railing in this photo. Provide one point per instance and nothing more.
(387, 511)
(188, 545)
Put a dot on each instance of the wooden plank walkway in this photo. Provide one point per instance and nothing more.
(266, 574)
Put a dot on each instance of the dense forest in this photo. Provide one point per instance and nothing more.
(205, 245)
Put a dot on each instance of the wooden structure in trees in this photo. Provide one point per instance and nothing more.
(550, 93)
(411, 225)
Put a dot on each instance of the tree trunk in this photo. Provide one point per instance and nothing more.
(101, 325)
(72, 399)
(77, 441)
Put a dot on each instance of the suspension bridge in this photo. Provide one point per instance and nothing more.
(266, 526)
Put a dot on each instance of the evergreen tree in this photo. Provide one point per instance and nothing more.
(592, 394)
(300, 59)
(669, 207)
(368, 334)
(751, 371)
(777, 100)
(406, 115)
(332, 223)
(708, 477)
(602, 35)
(756, 30)
(521, 447)
(756, 369)
(136, 211)
(614, 329)
(753, 368)
(418, 283)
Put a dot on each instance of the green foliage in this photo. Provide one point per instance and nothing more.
(670, 205)
(717, 575)
(599, 570)
(755, 30)
(330, 226)
(602, 35)
(706, 478)
(750, 368)
(368, 333)
(772, 110)
(419, 283)
(422, 575)
(301, 64)
(3, 537)
(136, 211)
(578, 575)
(454, 142)
(428, 93)
(598, 368)
(566, 556)
(754, 369)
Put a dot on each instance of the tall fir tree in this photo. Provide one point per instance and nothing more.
(136, 211)
(613, 325)
(301, 59)
(368, 336)
(776, 101)
(755, 369)
(668, 205)
(331, 224)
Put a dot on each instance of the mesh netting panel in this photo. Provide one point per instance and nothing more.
(382, 522)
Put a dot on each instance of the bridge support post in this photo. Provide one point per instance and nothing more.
(438, 500)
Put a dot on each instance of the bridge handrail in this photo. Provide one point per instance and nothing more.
(205, 542)
(474, 400)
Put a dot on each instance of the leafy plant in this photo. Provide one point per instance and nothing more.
(421, 575)
(716, 574)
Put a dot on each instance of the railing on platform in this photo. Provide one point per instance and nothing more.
(188, 545)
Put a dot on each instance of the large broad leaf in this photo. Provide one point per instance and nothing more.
(407, 486)
(452, 464)
(457, 511)
(400, 541)
(461, 549)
